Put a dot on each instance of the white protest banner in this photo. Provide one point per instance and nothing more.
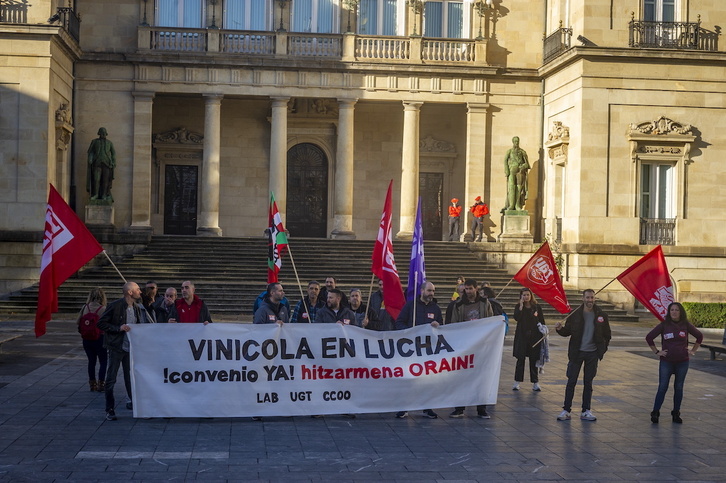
(232, 370)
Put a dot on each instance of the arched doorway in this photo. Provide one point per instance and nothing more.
(307, 191)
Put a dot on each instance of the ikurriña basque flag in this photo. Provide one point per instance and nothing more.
(277, 241)
(67, 246)
(417, 267)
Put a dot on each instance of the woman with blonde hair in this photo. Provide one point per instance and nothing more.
(528, 338)
(93, 337)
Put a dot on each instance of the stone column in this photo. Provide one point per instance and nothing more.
(278, 153)
(409, 169)
(141, 175)
(476, 137)
(209, 215)
(343, 203)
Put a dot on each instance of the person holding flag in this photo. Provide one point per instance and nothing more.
(589, 332)
(528, 338)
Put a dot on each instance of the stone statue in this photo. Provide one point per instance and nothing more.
(101, 163)
(516, 167)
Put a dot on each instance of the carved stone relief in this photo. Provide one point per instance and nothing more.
(558, 143)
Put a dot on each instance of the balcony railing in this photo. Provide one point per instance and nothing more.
(345, 47)
(671, 35)
(70, 21)
(657, 231)
(557, 43)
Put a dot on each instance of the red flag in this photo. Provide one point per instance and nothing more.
(67, 246)
(277, 241)
(384, 266)
(648, 280)
(540, 275)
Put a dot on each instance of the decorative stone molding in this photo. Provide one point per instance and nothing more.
(429, 144)
(318, 107)
(179, 136)
(63, 127)
(558, 143)
(661, 139)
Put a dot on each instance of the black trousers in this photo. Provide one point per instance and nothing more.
(116, 359)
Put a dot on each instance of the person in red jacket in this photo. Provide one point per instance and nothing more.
(190, 308)
(454, 217)
(479, 209)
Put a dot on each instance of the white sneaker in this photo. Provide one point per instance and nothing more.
(535, 387)
(588, 416)
(515, 387)
(564, 416)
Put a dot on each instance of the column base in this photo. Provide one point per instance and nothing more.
(209, 231)
(342, 235)
(404, 236)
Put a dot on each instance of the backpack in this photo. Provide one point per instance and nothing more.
(87, 325)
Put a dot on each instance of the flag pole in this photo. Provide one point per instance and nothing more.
(114, 266)
(299, 285)
(370, 291)
(603, 288)
(507, 285)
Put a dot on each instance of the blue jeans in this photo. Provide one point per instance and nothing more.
(573, 372)
(666, 370)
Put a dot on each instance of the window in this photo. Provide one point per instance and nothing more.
(319, 16)
(377, 17)
(248, 15)
(659, 10)
(180, 13)
(657, 191)
(444, 19)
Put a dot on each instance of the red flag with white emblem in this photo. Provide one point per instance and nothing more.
(67, 246)
(648, 280)
(384, 266)
(541, 276)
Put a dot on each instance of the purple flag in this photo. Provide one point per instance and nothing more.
(417, 269)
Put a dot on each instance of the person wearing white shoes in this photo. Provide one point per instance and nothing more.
(528, 337)
(589, 332)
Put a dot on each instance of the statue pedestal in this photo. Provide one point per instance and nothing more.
(99, 215)
(99, 219)
(516, 227)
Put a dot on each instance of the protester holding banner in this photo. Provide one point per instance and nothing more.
(471, 306)
(674, 357)
(93, 338)
(306, 309)
(116, 322)
(334, 310)
(589, 332)
(363, 315)
(272, 310)
(528, 338)
(420, 311)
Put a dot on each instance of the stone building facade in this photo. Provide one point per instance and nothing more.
(212, 104)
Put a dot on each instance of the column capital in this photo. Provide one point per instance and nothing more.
(347, 103)
(143, 95)
(279, 101)
(412, 105)
(477, 107)
(213, 97)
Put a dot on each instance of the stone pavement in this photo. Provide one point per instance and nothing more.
(52, 429)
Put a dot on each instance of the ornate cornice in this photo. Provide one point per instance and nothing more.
(661, 126)
(179, 136)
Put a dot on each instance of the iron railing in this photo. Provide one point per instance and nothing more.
(671, 35)
(70, 22)
(557, 43)
(657, 231)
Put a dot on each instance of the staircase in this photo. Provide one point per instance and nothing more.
(229, 273)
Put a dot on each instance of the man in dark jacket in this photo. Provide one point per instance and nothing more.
(272, 311)
(589, 333)
(385, 321)
(420, 311)
(334, 311)
(306, 309)
(115, 322)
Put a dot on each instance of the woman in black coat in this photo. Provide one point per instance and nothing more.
(529, 331)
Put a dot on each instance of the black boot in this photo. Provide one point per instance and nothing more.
(676, 417)
(654, 415)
